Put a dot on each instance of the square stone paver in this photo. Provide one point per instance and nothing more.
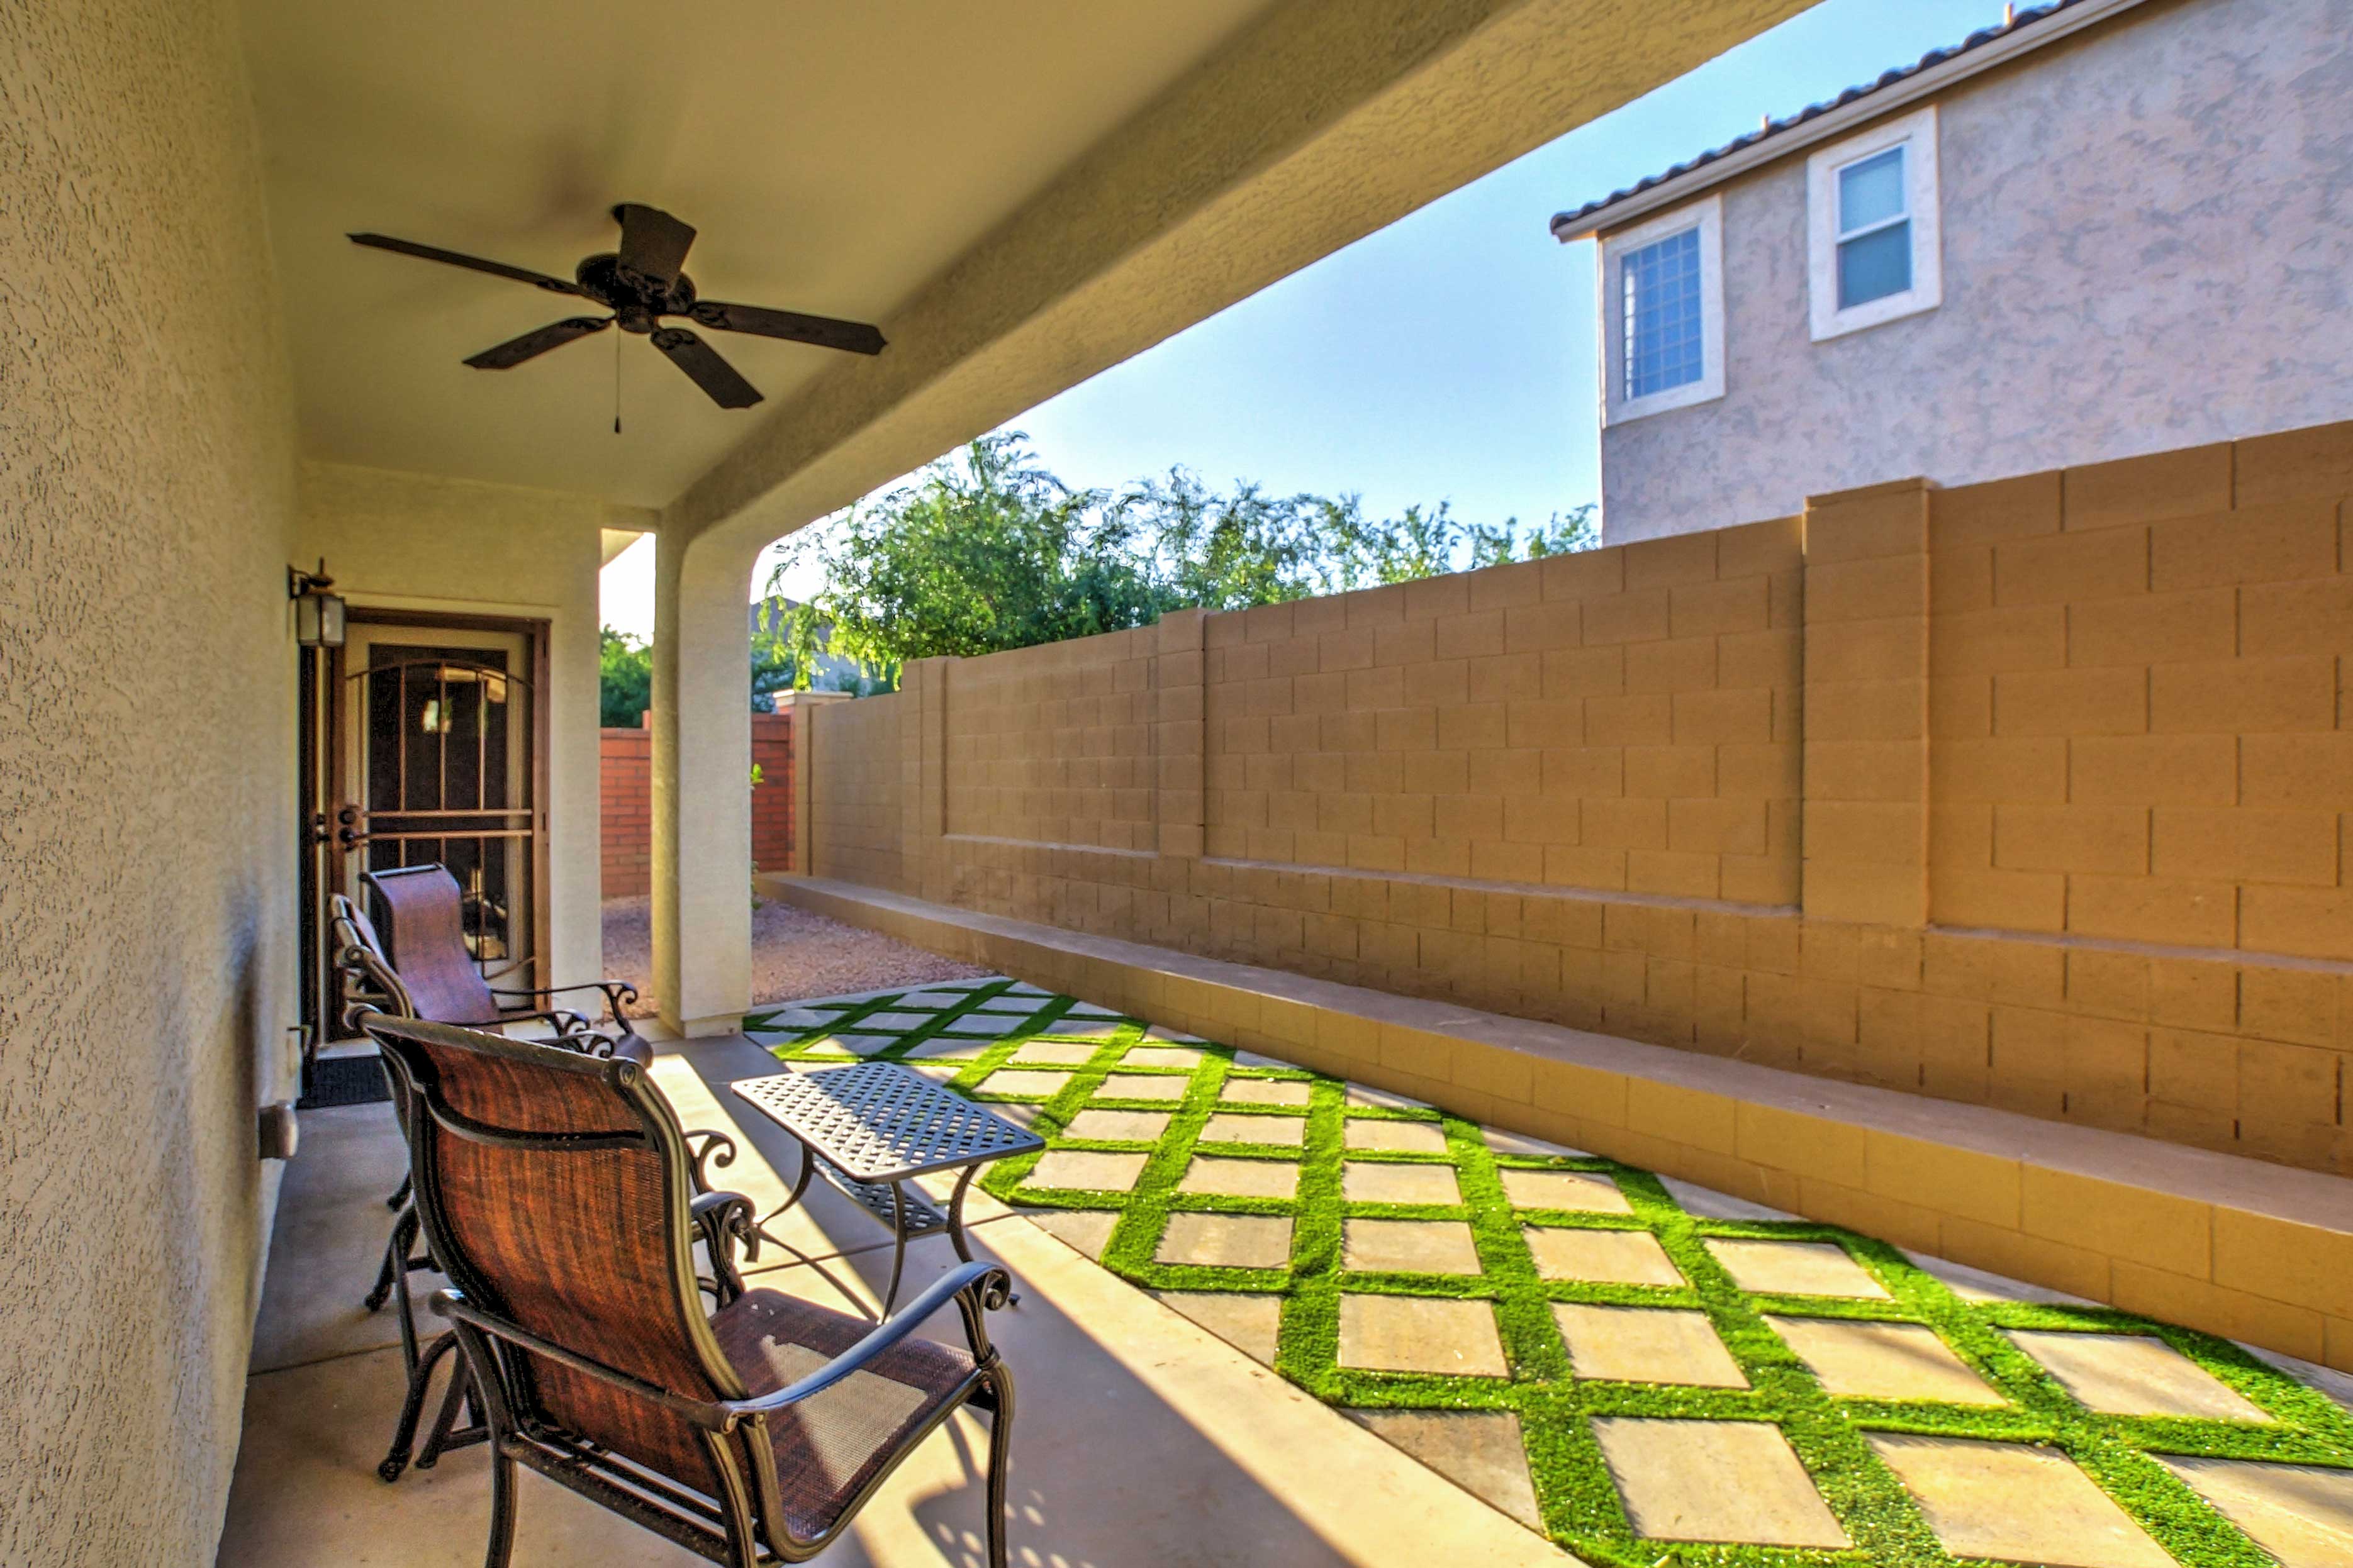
(944, 1046)
(1209, 1176)
(1714, 1480)
(1883, 1360)
(1120, 1126)
(1604, 1257)
(1032, 1085)
(1016, 1112)
(1408, 1247)
(896, 1021)
(1796, 1268)
(935, 999)
(1232, 1127)
(1023, 1005)
(1520, 1143)
(1087, 1169)
(938, 1072)
(1264, 1090)
(1390, 1181)
(1162, 1056)
(851, 1043)
(1143, 1086)
(1364, 1097)
(1709, 1204)
(1090, 1010)
(1052, 1053)
(1420, 1333)
(2135, 1375)
(2016, 1502)
(1084, 1231)
(1481, 1451)
(1226, 1240)
(1394, 1137)
(1086, 1028)
(2301, 1514)
(790, 1018)
(1645, 1344)
(1172, 1037)
(1244, 1320)
(1563, 1190)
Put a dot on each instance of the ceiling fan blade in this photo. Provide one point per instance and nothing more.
(856, 337)
(708, 371)
(653, 243)
(531, 345)
(495, 268)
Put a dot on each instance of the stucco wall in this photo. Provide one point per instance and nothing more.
(414, 541)
(2144, 247)
(146, 772)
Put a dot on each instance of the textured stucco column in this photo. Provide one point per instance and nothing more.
(702, 783)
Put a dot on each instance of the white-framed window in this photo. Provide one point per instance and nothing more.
(1873, 242)
(1663, 313)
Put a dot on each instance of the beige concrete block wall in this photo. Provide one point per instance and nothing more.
(147, 918)
(853, 768)
(2031, 793)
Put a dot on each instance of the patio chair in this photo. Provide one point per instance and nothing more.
(555, 1189)
(425, 925)
(371, 983)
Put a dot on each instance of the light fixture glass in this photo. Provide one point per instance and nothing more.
(318, 613)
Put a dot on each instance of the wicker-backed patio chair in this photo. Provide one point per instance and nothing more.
(555, 1189)
(424, 937)
(371, 983)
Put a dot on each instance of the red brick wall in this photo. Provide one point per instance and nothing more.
(626, 780)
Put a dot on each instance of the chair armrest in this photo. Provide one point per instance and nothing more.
(616, 993)
(975, 1287)
(724, 1219)
(712, 1150)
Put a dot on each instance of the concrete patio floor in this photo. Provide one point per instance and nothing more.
(1647, 1370)
(1141, 1438)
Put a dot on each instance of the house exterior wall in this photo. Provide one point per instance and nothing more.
(2035, 793)
(2144, 248)
(416, 543)
(147, 937)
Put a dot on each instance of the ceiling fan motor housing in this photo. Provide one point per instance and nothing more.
(634, 299)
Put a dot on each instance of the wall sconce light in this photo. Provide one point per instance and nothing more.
(318, 614)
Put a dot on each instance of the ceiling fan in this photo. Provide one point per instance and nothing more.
(641, 283)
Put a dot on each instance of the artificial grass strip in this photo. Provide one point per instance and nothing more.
(1556, 1409)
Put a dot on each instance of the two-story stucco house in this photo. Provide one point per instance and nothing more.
(2104, 228)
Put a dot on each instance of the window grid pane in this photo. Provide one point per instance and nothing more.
(1870, 191)
(1875, 264)
(1659, 287)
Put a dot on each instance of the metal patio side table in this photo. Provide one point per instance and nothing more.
(872, 1127)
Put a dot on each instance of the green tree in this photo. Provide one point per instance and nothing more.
(987, 550)
(624, 687)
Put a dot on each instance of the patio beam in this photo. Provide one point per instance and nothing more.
(1324, 122)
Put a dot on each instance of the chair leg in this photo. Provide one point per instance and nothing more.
(403, 1434)
(395, 1259)
(443, 1424)
(502, 1509)
(400, 1195)
(1000, 1459)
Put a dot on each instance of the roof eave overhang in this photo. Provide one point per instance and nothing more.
(1834, 123)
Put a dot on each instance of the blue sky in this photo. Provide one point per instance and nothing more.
(1449, 356)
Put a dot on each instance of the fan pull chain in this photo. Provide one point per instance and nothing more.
(617, 383)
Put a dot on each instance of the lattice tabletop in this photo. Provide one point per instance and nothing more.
(876, 1121)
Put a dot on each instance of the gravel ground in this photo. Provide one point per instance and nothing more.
(795, 953)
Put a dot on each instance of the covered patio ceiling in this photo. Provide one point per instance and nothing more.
(1021, 194)
(835, 158)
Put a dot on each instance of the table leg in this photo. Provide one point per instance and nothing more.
(898, 1243)
(956, 1225)
(808, 1169)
